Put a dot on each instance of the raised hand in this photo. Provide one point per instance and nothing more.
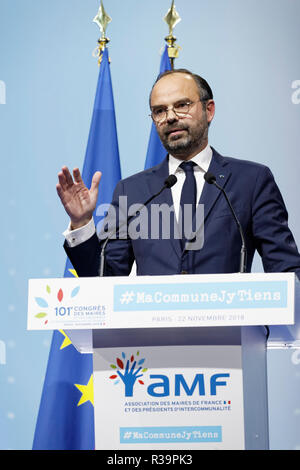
(78, 201)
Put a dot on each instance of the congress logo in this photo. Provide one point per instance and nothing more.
(43, 302)
(129, 371)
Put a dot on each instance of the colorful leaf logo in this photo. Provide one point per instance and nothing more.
(120, 363)
(60, 295)
(129, 371)
(75, 291)
(41, 302)
(41, 315)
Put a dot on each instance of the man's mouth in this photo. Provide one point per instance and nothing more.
(175, 132)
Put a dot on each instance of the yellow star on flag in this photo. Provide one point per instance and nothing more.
(66, 342)
(73, 272)
(87, 392)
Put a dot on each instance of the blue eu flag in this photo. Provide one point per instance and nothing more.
(156, 151)
(66, 414)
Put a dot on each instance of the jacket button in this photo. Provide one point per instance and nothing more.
(184, 272)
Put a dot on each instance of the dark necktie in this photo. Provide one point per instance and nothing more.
(188, 197)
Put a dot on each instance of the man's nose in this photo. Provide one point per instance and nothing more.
(171, 116)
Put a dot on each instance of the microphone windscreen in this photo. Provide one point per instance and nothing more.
(209, 178)
(170, 181)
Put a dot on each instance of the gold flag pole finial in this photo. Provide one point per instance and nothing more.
(102, 19)
(172, 18)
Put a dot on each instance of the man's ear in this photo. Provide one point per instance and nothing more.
(210, 110)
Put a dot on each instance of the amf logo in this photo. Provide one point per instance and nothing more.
(130, 370)
(177, 385)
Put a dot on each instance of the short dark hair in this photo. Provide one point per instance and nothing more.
(205, 92)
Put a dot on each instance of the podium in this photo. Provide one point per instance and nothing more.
(179, 361)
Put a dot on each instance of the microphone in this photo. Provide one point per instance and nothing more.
(211, 179)
(168, 183)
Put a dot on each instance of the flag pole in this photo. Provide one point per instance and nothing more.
(156, 151)
(172, 18)
(102, 19)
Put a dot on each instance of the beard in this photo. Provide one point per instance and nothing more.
(186, 141)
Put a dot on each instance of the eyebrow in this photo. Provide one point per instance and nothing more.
(177, 101)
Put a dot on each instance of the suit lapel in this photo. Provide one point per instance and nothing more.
(210, 193)
(156, 179)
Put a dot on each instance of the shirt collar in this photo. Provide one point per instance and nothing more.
(202, 160)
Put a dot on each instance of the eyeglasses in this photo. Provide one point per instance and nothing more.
(181, 109)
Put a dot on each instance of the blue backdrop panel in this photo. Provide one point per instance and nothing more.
(248, 52)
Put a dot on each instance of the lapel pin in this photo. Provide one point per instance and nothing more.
(221, 176)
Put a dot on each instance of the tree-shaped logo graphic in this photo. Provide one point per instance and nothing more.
(129, 371)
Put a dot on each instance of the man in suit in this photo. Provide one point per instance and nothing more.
(182, 108)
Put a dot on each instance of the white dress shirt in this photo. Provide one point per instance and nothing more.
(202, 160)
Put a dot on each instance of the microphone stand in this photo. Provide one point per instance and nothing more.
(210, 179)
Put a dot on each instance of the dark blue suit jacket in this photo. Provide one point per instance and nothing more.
(257, 202)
